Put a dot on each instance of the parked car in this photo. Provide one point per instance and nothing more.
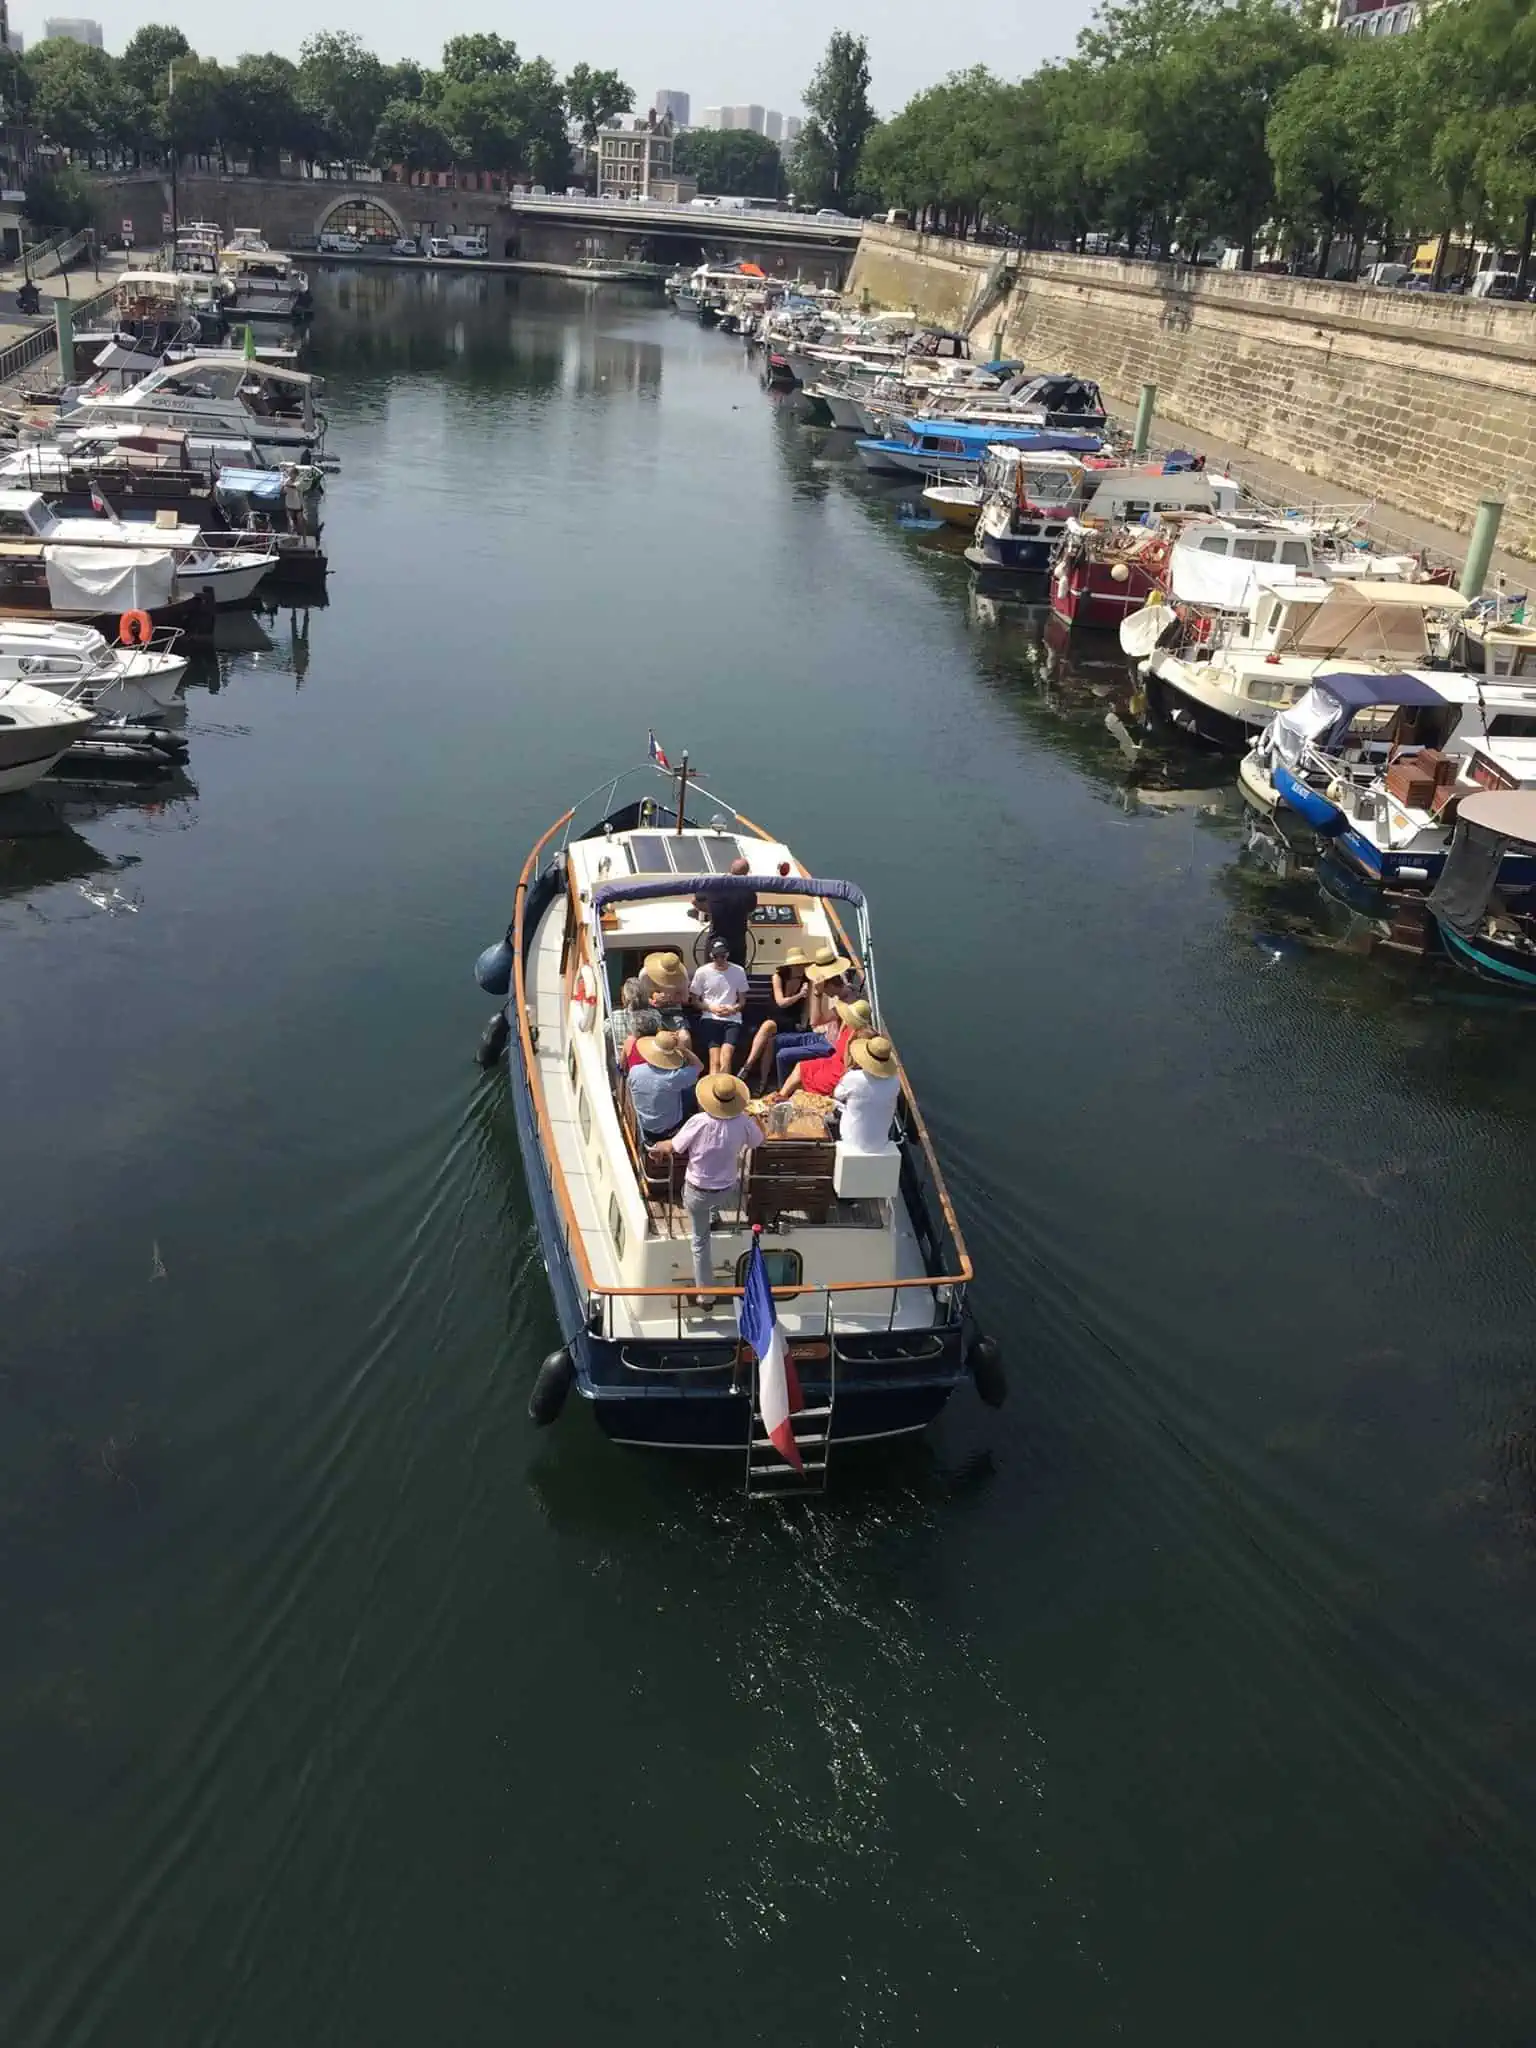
(405, 245)
(1496, 284)
(340, 245)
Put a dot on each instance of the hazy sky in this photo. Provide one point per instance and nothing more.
(720, 51)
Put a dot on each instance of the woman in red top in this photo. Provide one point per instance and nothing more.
(821, 1076)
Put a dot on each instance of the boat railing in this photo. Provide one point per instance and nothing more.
(665, 813)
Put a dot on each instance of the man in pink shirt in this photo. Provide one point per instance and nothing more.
(712, 1143)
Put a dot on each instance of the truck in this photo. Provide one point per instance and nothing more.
(458, 245)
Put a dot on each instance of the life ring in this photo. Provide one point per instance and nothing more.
(584, 996)
(134, 629)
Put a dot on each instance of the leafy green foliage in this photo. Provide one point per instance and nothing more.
(594, 97)
(733, 162)
(839, 118)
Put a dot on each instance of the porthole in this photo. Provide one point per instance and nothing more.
(785, 1268)
(570, 1063)
(583, 1115)
(616, 1224)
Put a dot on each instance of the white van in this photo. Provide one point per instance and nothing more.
(457, 245)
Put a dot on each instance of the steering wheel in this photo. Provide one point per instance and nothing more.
(701, 947)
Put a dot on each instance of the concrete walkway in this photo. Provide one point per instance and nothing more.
(1276, 481)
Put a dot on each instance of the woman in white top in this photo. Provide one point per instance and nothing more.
(868, 1093)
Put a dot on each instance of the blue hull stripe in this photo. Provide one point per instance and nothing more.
(1466, 954)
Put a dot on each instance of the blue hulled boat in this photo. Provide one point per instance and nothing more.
(870, 1273)
(953, 450)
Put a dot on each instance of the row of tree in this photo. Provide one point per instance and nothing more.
(1180, 122)
(485, 107)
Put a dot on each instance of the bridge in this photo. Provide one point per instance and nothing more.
(294, 212)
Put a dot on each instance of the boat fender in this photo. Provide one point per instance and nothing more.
(985, 1359)
(551, 1387)
(584, 996)
(134, 629)
(493, 970)
(493, 1040)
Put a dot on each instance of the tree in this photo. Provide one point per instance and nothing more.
(147, 61)
(730, 161)
(594, 97)
(343, 84)
(411, 135)
(839, 116)
(467, 59)
(260, 113)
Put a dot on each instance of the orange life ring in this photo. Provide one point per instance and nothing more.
(134, 629)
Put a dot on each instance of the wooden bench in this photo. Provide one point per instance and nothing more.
(790, 1176)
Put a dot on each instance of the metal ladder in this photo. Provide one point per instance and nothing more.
(770, 1477)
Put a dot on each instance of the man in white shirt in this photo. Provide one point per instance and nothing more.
(868, 1093)
(720, 991)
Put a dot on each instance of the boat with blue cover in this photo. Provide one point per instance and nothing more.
(953, 450)
(1484, 904)
(1382, 765)
(871, 1275)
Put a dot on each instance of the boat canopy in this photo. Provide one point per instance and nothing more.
(1360, 618)
(265, 486)
(1488, 823)
(1361, 692)
(694, 885)
(1320, 717)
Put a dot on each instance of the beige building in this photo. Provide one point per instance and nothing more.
(631, 160)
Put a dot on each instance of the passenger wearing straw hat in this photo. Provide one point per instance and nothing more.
(826, 975)
(791, 1007)
(712, 1143)
(868, 1093)
(664, 984)
(821, 1076)
(661, 1084)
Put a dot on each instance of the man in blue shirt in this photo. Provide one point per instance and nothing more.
(661, 1087)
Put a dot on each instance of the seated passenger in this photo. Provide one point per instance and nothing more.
(820, 1076)
(868, 1093)
(637, 1018)
(720, 991)
(664, 985)
(791, 1010)
(826, 975)
(661, 1085)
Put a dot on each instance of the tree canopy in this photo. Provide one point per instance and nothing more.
(838, 121)
(734, 162)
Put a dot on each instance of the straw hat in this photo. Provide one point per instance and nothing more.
(665, 1049)
(723, 1095)
(665, 970)
(827, 970)
(825, 955)
(796, 958)
(859, 1014)
(876, 1056)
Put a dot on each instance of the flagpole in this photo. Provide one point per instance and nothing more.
(682, 788)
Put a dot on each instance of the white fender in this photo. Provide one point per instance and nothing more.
(584, 996)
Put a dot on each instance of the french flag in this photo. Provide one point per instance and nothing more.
(656, 754)
(778, 1386)
(100, 506)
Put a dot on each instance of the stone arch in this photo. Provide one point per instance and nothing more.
(336, 209)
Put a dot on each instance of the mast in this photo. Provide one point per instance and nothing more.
(682, 788)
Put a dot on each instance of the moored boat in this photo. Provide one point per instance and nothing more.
(1484, 904)
(37, 727)
(862, 1246)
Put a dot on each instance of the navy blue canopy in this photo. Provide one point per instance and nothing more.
(649, 891)
(1360, 692)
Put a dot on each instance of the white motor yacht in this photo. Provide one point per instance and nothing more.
(229, 575)
(220, 398)
(36, 728)
(76, 661)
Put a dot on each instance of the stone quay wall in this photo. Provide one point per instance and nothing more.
(1420, 401)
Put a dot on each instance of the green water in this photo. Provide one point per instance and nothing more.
(1187, 1700)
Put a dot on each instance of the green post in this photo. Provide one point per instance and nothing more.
(1485, 531)
(1144, 413)
(64, 320)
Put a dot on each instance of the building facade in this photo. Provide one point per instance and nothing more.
(75, 29)
(631, 160)
(710, 118)
(672, 106)
(1376, 17)
(792, 126)
(773, 125)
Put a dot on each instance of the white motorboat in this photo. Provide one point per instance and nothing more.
(220, 398)
(229, 575)
(78, 662)
(265, 284)
(37, 727)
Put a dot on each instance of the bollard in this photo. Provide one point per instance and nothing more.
(1485, 531)
(64, 321)
(1144, 419)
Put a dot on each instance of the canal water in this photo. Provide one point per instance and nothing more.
(1188, 1699)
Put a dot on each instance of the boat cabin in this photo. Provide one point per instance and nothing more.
(1124, 497)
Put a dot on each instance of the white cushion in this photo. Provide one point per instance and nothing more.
(866, 1176)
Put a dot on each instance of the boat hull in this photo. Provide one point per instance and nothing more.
(1308, 803)
(1086, 593)
(1190, 715)
(28, 752)
(1489, 958)
(1017, 554)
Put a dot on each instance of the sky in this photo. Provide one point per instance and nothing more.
(719, 51)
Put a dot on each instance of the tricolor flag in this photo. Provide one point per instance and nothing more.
(100, 506)
(656, 754)
(778, 1387)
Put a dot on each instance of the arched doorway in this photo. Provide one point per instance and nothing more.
(362, 215)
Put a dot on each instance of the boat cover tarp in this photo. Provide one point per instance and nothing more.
(1355, 619)
(109, 579)
(695, 885)
(1320, 716)
(1223, 583)
(1460, 897)
(264, 485)
(1360, 692)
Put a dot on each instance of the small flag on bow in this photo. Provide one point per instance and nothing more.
(101, 508)
(778, 1384)
(656, 753)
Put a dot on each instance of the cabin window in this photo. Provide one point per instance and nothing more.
(1294, 552)
(14, 526)
(784, 1268)
(1215, 544)
(616, 1224)
(584, 1114)
(570, 1063)
(1511, 725)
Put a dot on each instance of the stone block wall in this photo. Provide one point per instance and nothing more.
(1423, 402)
